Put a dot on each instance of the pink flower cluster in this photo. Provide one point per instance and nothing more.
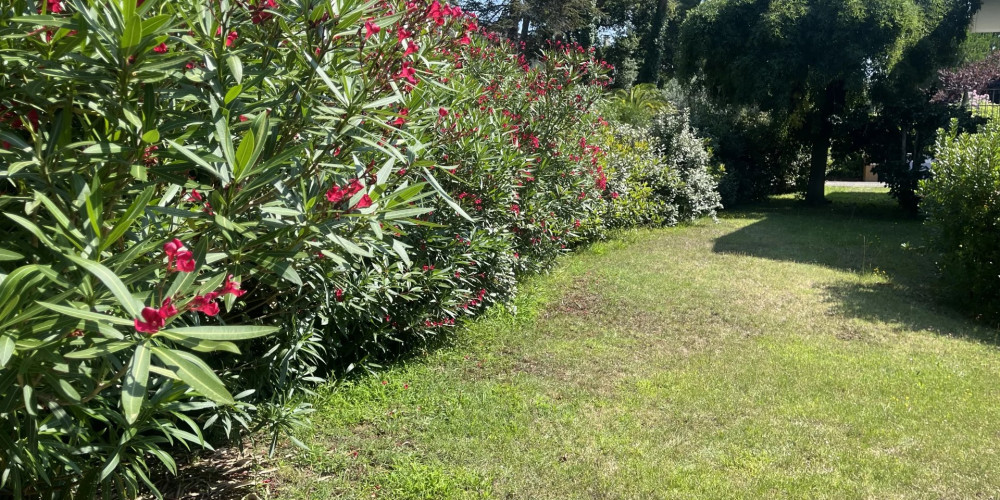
(179, 258)
(337, 194)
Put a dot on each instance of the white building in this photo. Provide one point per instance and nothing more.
(987, 20)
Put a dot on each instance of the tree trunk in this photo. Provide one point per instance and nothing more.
(832, 101)
(650, 70)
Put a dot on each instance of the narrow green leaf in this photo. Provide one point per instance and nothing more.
(137, 208)
(198, 161)
(8, 255)
(198, 344)
(6, 349)
(233, 94)
(444, 195)
(151, 136)
(133, 32)
(65, 389)
(127, 8)
(348, 245)
(400, 249)
(244, 153)
(86, 315)
(225, 138)
(236, 67)
(110, 280)
(225, 333)
(284, 269)
(103, 148)
(111, 465)
(103, 347)
(134, 387)
(35, 230)
(152, 25)
(195, 374)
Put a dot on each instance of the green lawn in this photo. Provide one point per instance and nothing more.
(782, 352)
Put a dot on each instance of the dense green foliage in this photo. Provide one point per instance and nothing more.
(351, 178)
(963, 212)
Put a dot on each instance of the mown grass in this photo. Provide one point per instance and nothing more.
(782, 352)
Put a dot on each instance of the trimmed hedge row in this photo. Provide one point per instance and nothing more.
(325, 182)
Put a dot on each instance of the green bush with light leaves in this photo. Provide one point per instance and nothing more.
(962, 206)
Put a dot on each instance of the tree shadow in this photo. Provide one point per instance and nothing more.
(859, 232)
(863, 233)
(903, 307)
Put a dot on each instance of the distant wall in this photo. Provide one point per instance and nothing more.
(988, 18)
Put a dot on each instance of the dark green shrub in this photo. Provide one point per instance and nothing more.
(962, 204)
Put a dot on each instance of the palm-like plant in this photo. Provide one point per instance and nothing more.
(638, 104)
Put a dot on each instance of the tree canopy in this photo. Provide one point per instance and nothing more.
(808, 61)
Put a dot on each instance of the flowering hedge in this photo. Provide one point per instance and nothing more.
(319, 180)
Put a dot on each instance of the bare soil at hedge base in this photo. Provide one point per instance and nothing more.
(781, 352)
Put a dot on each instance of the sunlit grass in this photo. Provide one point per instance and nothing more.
(781, 352)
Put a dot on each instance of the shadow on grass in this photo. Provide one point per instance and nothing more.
(861, 232)
(897, 305)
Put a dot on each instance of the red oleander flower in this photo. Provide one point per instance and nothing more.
(364, 202)
(172, 247)
(442, 112)
(406, 73)
(411, 48)
(354, 187)
(161, 48)
(602, 182)
(340, 295)
(371, 29)
(168, 309)
(231, 38)
(185, 261)
(153, 321)
(436, 13)
(194, 196)
(55, 6)
(336, 194)
(206, 304)
(179, 258)
(401, 120)
(402, 34)
(465, 40)
(231, 287)
(516, 209)
(259, 14)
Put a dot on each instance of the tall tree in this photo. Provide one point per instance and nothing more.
(804, 61)
(649, 72)
(659, 28)
(531, 21)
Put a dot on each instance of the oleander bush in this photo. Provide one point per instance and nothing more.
(211, 206)
(961, 201)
